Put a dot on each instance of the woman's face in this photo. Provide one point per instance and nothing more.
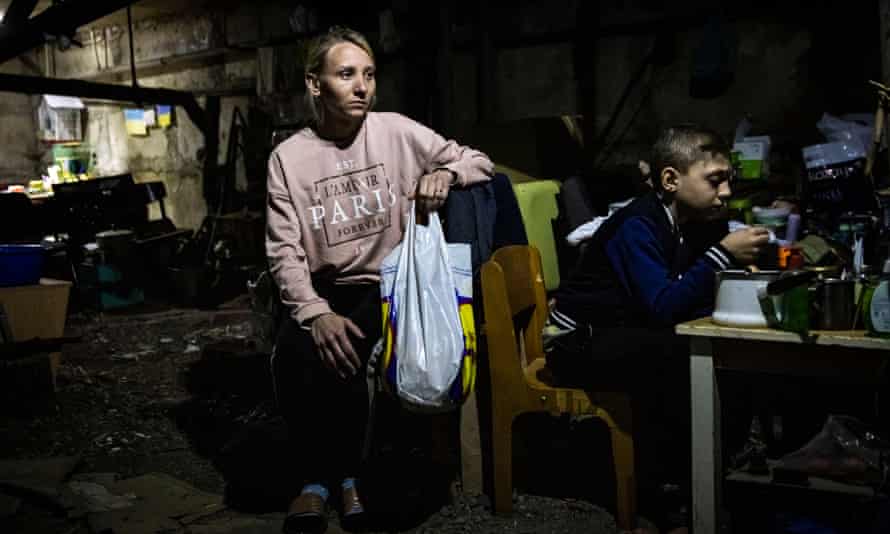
(346, 84)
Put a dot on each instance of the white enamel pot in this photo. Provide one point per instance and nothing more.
(737, 303)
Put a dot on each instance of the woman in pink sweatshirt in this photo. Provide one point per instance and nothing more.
(338, 195)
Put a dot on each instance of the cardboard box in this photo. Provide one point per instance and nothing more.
(753, 156)
(37, 311)
(60, 118)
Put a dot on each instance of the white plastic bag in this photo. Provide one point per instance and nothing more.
(848, 131)
(425, 285)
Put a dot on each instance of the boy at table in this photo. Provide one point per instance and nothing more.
(634, 282)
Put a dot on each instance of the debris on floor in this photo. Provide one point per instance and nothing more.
(165, 422)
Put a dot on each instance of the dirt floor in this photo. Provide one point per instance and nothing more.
(163, 422)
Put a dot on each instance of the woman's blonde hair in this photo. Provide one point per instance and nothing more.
(317, 52)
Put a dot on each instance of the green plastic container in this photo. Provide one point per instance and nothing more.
(740, 210)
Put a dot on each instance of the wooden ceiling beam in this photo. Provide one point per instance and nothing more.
(59, 19)
(36, 85)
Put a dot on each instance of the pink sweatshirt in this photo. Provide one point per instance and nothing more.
(334, 213)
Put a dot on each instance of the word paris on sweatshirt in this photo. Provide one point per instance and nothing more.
(336, 211)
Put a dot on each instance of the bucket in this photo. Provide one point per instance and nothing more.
(188, 282)
(20, 265)
(117, 245)
(835, 304)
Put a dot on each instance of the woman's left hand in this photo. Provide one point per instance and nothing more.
(432, 190)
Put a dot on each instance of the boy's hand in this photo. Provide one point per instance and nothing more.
(745, 244)
(331, 335)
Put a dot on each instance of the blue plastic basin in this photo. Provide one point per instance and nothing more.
(20, 265)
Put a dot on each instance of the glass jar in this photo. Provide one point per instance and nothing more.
(876, 307)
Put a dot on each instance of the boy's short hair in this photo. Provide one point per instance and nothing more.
(683, 145)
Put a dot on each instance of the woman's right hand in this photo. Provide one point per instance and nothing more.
(331, 335)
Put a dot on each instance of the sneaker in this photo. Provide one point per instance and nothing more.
(352, 513)
(306, 515)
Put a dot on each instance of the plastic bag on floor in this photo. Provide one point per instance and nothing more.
(843, 450)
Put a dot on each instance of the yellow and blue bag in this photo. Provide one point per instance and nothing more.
(429, 335)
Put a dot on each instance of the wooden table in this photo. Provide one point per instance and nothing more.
(850, 354)
(40, 198)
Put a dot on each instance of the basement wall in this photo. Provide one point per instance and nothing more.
(787, 70)
(19, 151)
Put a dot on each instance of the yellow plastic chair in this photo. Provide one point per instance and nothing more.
(515, 311)
(537, 203)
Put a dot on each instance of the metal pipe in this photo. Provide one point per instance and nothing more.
(106, 33)
(95, 49)
(132, 50)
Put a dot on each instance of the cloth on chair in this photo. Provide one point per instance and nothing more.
(469, 218)
(508, 227)
(486, 216)
(585, 231)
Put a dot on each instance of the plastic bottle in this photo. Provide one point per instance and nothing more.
(793, 227)
(876, 305)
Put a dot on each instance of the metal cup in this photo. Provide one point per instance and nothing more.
(836, 304)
